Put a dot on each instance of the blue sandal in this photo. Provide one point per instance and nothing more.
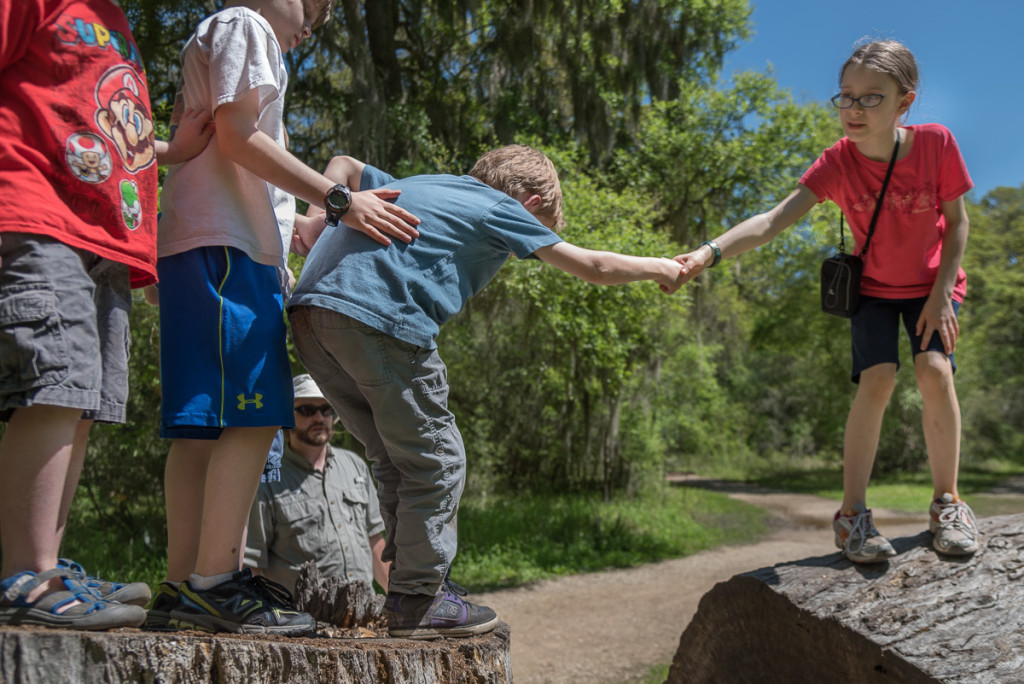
(86, 611)
(134, 593)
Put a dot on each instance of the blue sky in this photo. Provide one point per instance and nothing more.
(970, 55)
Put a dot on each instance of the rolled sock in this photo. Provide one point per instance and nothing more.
(204, 583)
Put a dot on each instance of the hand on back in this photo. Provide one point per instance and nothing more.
(371, 213)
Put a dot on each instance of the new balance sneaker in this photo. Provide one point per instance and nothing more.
(857, 537)
(447, 614)
(243, 604)
(158, 610)
(133, 593)
(953, 525)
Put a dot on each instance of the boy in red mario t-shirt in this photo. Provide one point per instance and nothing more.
(77, 231)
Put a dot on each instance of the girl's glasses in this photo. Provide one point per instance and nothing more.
(866, 101)
(308, 410)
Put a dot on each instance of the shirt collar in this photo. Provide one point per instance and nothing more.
(299, 461)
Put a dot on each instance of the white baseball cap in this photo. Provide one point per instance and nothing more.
(304, 387)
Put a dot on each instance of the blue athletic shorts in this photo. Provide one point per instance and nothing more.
(875, 331)
(223, 354)
(63, 328)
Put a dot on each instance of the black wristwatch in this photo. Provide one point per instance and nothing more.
(337, 201)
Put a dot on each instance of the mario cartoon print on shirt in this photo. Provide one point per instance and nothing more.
(124, 117)
(109, 148)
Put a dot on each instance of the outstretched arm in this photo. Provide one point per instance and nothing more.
(611, 268)
(753, 232)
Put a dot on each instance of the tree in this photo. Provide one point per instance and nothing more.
(991, 349)
(405, 83)
(767, 372)
(161, 28)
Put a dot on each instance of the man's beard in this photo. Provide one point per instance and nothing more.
(317, 440)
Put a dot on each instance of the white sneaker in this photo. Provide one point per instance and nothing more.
(953, 525)
(857, 537)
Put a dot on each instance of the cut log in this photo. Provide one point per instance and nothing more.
(921, 617)
(43, 656)
(339, 602)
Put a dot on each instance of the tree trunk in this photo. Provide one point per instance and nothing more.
(920, 617)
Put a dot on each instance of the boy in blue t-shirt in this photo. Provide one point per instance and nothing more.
(365, 322)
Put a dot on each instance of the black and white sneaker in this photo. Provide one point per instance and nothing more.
(243, 604)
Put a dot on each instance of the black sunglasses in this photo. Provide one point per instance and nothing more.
(309, 410)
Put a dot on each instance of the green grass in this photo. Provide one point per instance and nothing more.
(510, 541)
(124, 552)
(656, 675)
(896, 491)
(503, 541)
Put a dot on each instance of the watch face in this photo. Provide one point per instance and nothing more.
(336, 202)
(338, 198)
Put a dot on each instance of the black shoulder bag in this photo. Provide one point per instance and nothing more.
(840, 274)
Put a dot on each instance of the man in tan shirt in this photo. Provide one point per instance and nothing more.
(324, 507)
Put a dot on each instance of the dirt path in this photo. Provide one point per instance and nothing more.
(610, 627)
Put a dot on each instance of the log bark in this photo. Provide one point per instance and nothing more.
(43, 656)
(335, 601)
(921, 617)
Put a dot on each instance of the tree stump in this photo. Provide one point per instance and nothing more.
(338, 602)
(43, 656)
(921, 617)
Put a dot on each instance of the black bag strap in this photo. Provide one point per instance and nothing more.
(878, 205)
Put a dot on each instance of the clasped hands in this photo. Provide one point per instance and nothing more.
(685, 267)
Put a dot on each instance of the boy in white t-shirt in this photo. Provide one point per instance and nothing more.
(227, 224)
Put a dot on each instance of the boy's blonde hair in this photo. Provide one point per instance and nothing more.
(321, 10)
(322, 13)
(517, 170)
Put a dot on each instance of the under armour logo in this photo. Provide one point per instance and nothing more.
(257, 401)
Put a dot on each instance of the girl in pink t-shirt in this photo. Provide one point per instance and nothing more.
(911, 272)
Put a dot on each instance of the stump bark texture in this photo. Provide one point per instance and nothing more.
(921, 617)
(338, 602)
(43, 656)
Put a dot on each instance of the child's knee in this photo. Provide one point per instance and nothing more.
(934, 373)
(878, 382)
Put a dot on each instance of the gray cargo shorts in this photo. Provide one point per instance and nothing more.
(64, 337)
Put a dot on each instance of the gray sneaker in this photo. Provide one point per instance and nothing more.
(953, 525)
(857, 537)
(447, 614)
